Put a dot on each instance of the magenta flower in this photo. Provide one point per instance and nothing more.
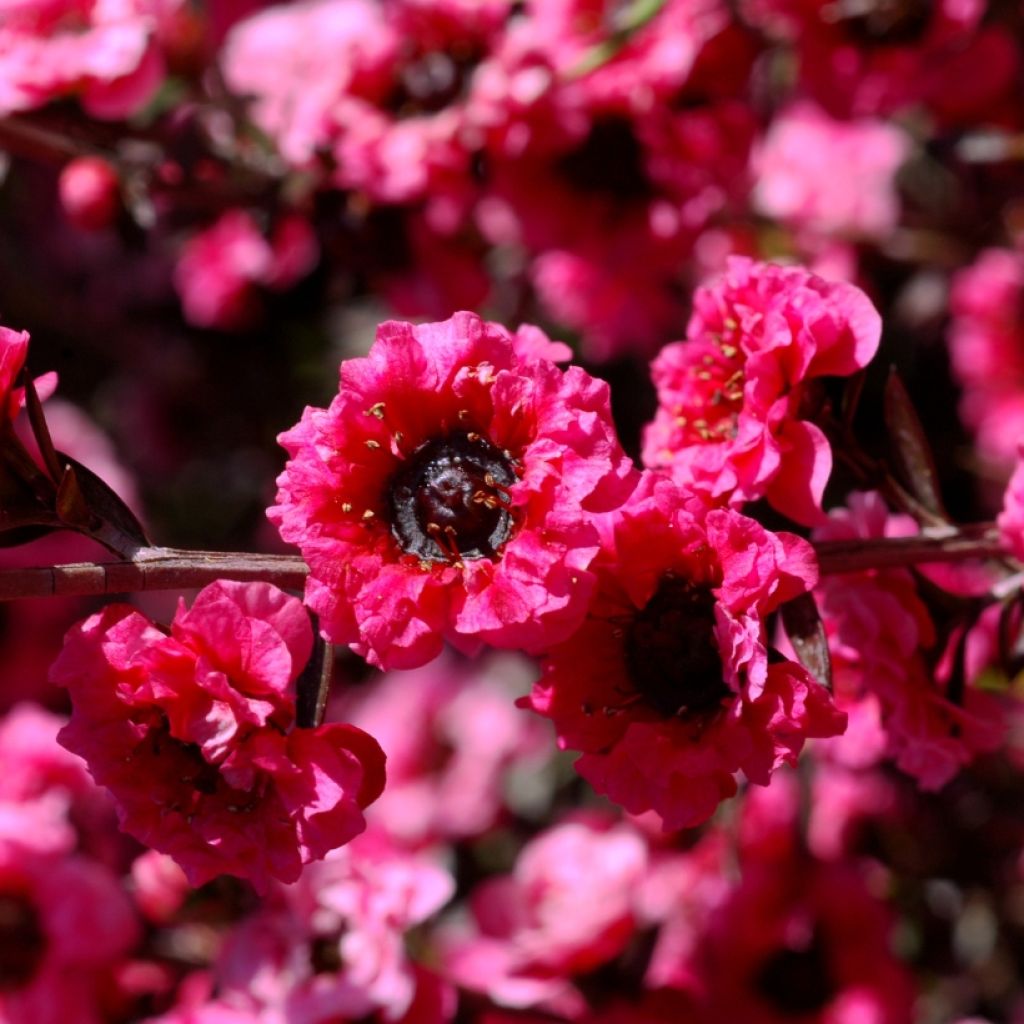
(732, 395)
(222, 268)
(829, 176)
(105, 53)
(1011, 519)
(449, 492)
(65, 924)
(333, 946)
(567, 908)
(189, 733)
(667, 688)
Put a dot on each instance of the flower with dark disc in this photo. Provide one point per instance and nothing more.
(450, 492)
(668, 688)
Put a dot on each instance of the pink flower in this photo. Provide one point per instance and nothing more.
(220, 269)
(449, 492)
(667, 687)
(832, 177)
(452, 736)
(567, 908)
(65, 924)
(103, 51)
(875, 61)
(13, 350)
(799, 939)
(986, 350)
(189, 733)
(335, 943)
(730, 419)
(879, 632)
(1011, 519)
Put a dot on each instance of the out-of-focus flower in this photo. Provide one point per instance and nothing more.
(189, 733)
(986, 350)
(567, 908)
(449, 492)
(453, 737)
(221, 269)
(1011, 519)
(796, 938)
(333, 944)
(102, 51)
(874, 60)
(65, 923)
(879, 631)
(828, 176)
(734, 397)
(667, 688)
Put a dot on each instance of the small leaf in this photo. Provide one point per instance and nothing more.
(314, 682)
(110, 520)
(627, 21)
(911, 451)
(41, 432)
(71, 504)
(806, 633)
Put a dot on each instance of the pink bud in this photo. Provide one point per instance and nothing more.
(89, 192)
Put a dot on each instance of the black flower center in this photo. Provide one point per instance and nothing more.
(433, 80)
(884, 21)
(22, 942)
(797, 981)
(609, 160)
(671, 654)
(450, 501)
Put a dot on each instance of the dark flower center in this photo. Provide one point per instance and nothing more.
(22, 942)
(671, 654)
(610, 160)
(797, 981)
(884, 21)
(450, 499)
(434, 80)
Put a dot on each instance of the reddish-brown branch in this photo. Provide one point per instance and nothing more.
(152, 569)
(176, 569)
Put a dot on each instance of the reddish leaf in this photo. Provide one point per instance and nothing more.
(807, 635)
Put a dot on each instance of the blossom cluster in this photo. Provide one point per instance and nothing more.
(641, 637)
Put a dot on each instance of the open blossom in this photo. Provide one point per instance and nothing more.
(732, 396)
(65, 923)
(452, 735)
(189, 733)
(568, 907)
(449, 492)
(103, 51)
(221, 268)
(667, 688)
(829, 176)
(334, 944)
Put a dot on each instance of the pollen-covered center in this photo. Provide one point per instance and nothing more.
(450, 500)
(709, 398)
(22, 942)
(671, 654)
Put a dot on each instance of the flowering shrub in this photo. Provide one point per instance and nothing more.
(635, 634)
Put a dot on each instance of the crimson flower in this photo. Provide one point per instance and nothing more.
(669, 688)
(449, 492)
(190, 733)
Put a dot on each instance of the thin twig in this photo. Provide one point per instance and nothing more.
(152, 569)
(178, 569)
